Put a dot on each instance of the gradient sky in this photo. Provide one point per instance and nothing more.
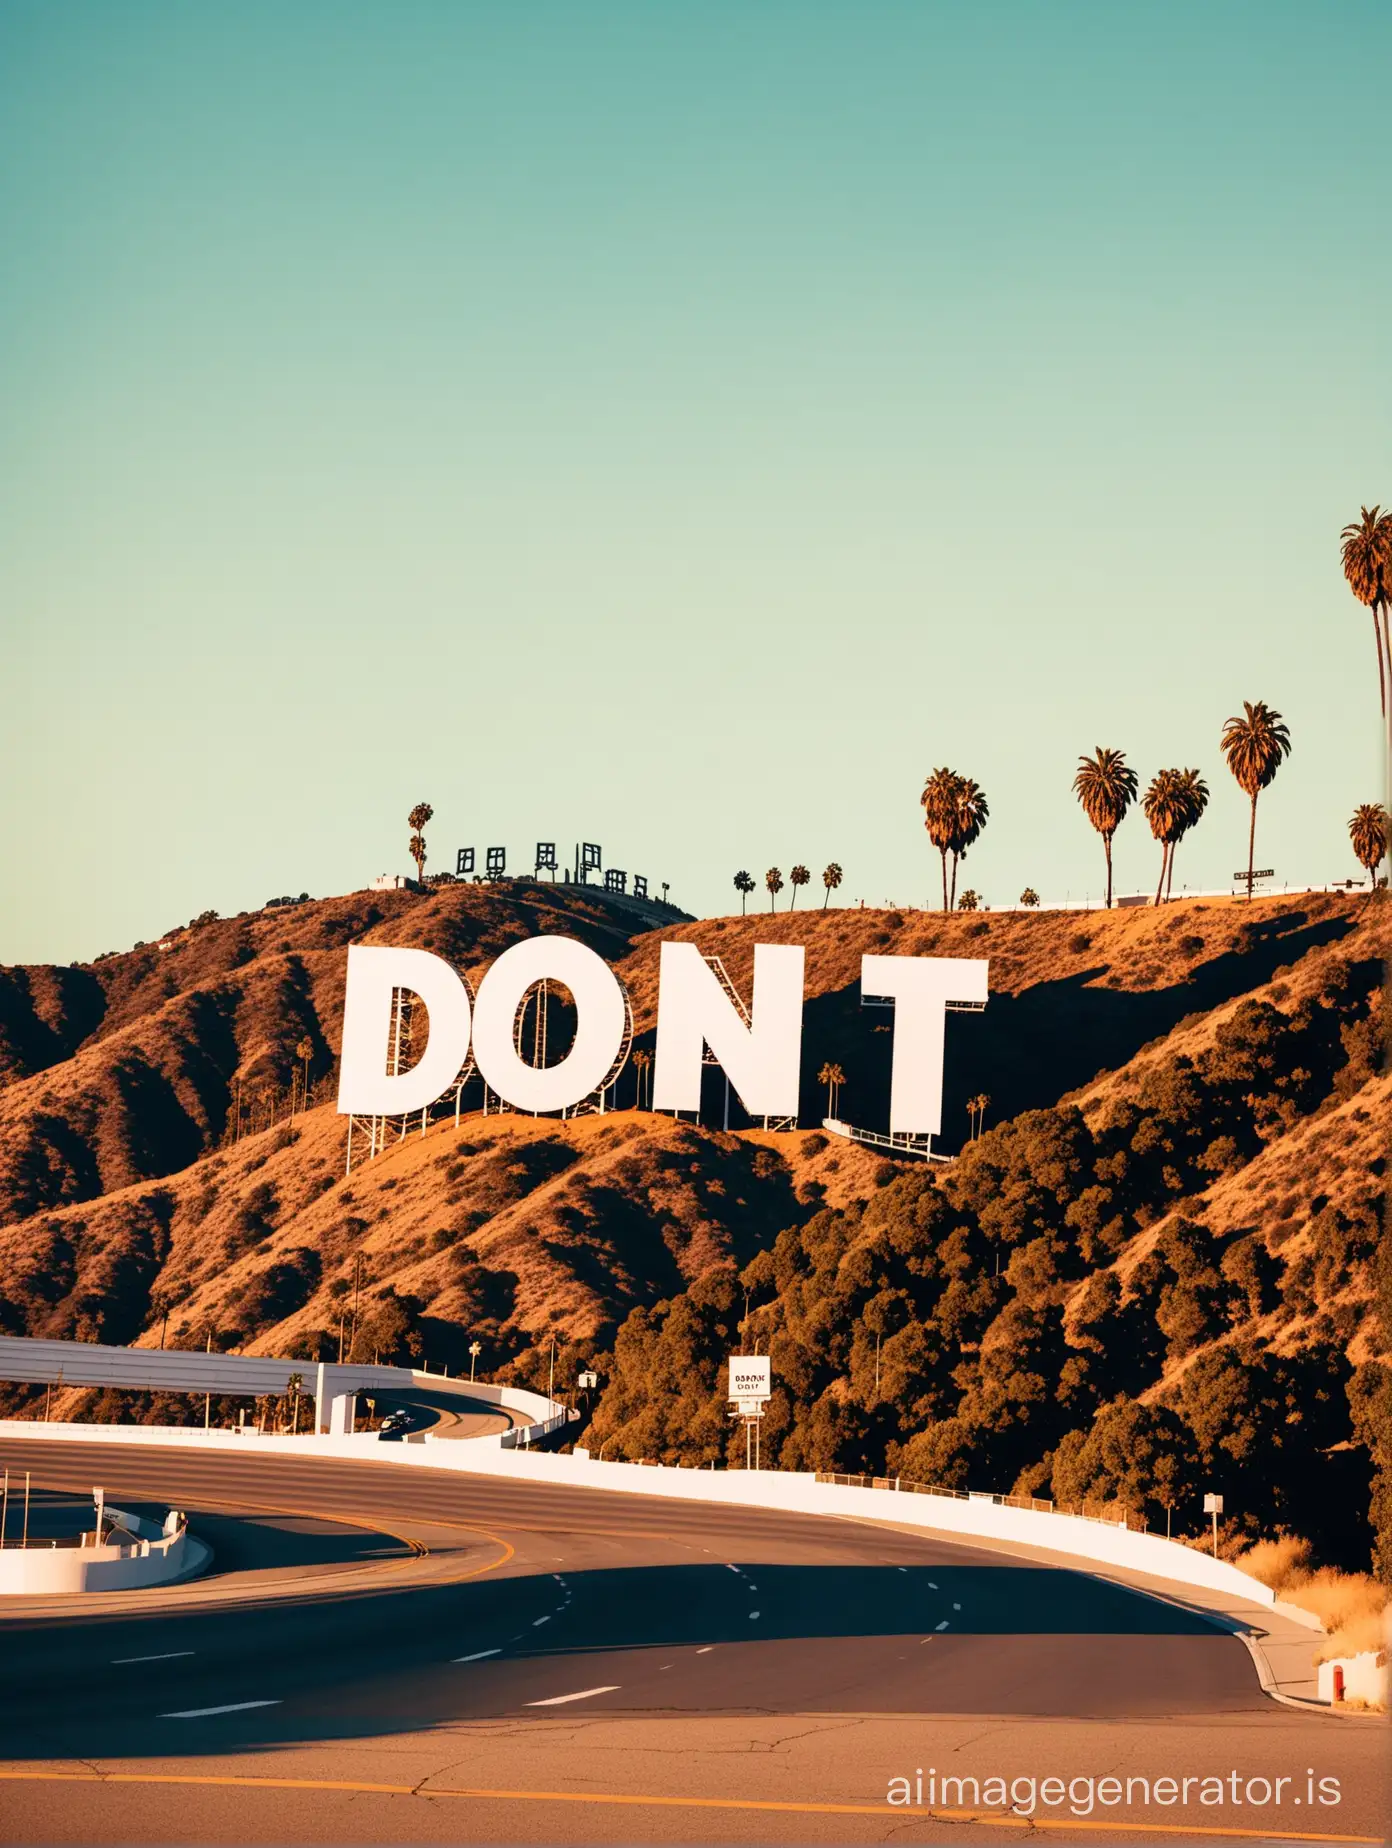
(679, 427)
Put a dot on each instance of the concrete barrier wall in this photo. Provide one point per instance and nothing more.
(37, 1570)
(1071, 1537)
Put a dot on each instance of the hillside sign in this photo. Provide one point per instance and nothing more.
(761, 1056)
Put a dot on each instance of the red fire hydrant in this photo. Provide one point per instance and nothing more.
(1338, 1684)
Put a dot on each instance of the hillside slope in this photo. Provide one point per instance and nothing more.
(1177, 1202)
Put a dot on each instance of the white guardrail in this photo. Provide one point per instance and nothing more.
(1072, 1537)
(153, 1556)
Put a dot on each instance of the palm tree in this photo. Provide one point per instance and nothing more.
(1193, 797)
(773, 879)
(831, 878)
(1106, 787)
(972, 816)
(744, 885)
(1029, 898)
(416, 821)
(940, 818)
(969, 901)
(1254, 746)
(642, 1063)
(976, 1111)
(833, 1078)
(1368, 832)
(800, 877)
(1367, 557)
(304, 1052)
(1164, 810)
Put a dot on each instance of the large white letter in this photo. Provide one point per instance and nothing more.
(600, 1019)
(693, 1011)
(920, 987)
(365, 1087)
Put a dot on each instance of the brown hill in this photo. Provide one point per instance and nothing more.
(1205, 1065)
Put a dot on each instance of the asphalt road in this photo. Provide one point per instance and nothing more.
(384, 1654)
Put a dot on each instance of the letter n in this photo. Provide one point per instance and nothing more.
(761, 1058)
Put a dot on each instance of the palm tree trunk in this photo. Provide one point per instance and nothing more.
(955, 859)
(1164, 862)
(1169, 882)
(792, 902)
(1382, 682)
(1107, 843)
(943, 853)
(1251, 846)
(825, 896)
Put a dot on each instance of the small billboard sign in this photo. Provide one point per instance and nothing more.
(750, 1377)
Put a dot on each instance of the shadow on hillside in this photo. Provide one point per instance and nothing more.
(1026, 1051)
(935, 1638)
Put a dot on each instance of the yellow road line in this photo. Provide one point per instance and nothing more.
(996, 1818)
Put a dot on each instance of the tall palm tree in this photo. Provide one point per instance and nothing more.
(1254, 746)
(773, 879)
(416, 821)
(1106, 787)
(831, 878)
(1367, 558)
(304, 1052)
(972, 816)
(1193, 798)
(744, 885)
(800, 877)
(642, 1061)
(833, 1078)
(1368, 831)
(940, 817)
(1163, 807)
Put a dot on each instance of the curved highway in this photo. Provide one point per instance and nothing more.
(415, 1655)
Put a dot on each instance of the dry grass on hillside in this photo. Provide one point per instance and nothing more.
(1352, 1606)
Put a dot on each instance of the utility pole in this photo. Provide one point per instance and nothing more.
(24, 1540)
(208, 1397)
(551, 1375)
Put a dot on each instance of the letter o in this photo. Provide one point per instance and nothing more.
(1266, 1786)
(601, 1017)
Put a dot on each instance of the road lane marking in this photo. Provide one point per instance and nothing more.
(735, 1570)
(931, 1585)
(477, 1656)
(559, 1700)
(637, 1800)
(956, 1607)
(943, 1624)
(203, 1713)
(706, 1650)
(168, 1656)
(753, 1616)
(537, 1622)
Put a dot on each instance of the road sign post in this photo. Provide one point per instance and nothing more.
(1213, 1504)
(751, 1387)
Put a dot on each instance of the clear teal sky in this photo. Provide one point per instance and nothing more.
(676, 426)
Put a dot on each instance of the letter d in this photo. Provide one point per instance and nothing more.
(365, 1087)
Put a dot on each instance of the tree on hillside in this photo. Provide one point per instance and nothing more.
(976, 1111)
(744, 885)
(773, 879)
(1193, 800)
(800, 877)
(304, 1052)
(940, 818)
(1254, 746)
(1368, 833)
(969, 901)
(416, 821)
(642, 1066)
(1106, 788)
(972, 814)
(1163, 807)
(1029, 898)
(831, 878)
(833, 1078)
(1367, 558)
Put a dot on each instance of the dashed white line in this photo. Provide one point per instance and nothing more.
(478, 1655)
(753, 1616)
(943, 1624)
(168, 1656)
(203, 1713)
(956, 1607)
(706, 1650)
(539, 1621)
(559, 1700)
(931, 1585)
(735, 1570)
